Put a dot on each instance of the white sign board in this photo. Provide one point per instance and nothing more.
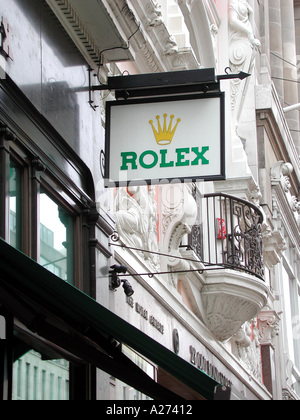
(161, 140)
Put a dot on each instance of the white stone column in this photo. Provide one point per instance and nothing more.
(276, 46)
(290, 70)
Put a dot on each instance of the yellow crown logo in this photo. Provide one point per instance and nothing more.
(164, 136)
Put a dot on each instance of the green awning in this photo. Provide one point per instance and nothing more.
(60, 312)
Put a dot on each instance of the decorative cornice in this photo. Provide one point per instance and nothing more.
(77, 29)
(156, 43)
(152, 47)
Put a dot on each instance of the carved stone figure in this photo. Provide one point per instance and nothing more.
(242, 51)
(136, 220)
(178, 213)
(245, 346)
(136, 216)
(240, 19)
(155, 15)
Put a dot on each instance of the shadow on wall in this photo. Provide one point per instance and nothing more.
(60, 65)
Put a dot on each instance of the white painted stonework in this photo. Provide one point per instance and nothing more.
(224, 316)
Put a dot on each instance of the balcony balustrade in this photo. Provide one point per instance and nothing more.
(229, 234)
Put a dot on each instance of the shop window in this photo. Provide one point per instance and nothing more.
(44, 201)
(55, 221)
(15, 205)
(56, 238)
(37, 379)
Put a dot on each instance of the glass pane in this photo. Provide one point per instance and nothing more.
(288, 314)
(15, 206)
(56, 238)
(37, 379)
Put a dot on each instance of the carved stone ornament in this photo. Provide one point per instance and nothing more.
(287, 395)
(136, 220)
(178, 215)
(136, 216)
(295, 204)
(156, 49)
(154, 12)
(280, 173)
(246, 347)
(231, 298)
(274, 245)
(279, 170)
(268, 322)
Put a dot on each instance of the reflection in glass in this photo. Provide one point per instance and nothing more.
(15, 206)
(37, 379)
(56, 238)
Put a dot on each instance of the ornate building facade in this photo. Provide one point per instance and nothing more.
(210, 270)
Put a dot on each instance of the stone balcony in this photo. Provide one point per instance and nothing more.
(228, 242)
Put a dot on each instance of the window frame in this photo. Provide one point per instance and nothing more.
(36, 175)
(73, 211)
(24, 212)
(46, 158)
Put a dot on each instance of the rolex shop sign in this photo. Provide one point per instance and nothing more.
(165, 140)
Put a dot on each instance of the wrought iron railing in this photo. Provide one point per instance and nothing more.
(228, 233)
